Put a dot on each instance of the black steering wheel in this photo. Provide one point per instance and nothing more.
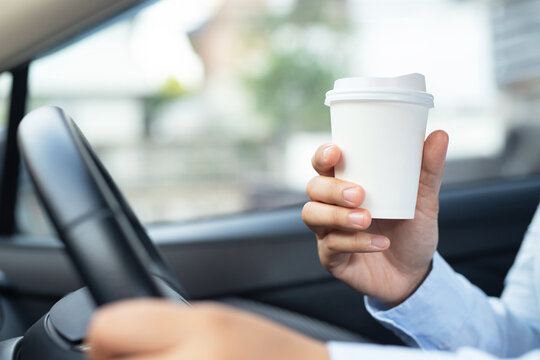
(106, 242)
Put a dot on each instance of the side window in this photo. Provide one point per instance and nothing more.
(5, 90)
(139, 91)
(183, 109)
(5, 87)
(215, 107)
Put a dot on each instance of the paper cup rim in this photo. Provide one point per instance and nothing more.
(407, 96)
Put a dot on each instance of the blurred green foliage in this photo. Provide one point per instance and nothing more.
(331, 13)
(169, 91)
(172, 88)
(289, 91)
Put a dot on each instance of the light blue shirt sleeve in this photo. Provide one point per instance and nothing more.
(350, 351)
(447, 312)
(450, 318)
(522, 287)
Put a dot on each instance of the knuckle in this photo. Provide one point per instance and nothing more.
(307, 212)
(214, 317)
(332, 243)
(336, 188)
(311, 186)
(325, 265)
(323, 259)
(306, 209)
(361, 239)
(336, 217)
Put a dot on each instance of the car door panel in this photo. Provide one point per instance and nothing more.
(271, 256)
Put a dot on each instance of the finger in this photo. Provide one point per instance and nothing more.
(330, 190)
(433, 162)
(319, 216)
(134, 327)
(339, 242)
(325, 158)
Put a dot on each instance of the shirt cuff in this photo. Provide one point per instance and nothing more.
(433, 315)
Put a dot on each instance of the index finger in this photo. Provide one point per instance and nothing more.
(325, 158)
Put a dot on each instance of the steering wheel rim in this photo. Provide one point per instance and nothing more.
(106, 242)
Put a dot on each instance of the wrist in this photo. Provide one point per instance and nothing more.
(416, 280)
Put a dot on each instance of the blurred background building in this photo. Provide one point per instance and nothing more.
(516, 42)
(214, 107)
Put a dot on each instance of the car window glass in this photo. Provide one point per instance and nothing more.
(5, 90)
(215, 107)
(5, 87)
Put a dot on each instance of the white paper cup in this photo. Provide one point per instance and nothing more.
(380, 124)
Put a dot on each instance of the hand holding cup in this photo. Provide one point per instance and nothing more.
(383, 258)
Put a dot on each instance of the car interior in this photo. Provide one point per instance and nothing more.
(264, 260)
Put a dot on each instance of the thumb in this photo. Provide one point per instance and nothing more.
(433, 161)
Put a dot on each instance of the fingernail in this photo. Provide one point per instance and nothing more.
(350, 195)
(326, 152)
(379, 242)
(357, 218)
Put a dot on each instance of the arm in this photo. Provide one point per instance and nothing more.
(450, 316)
(520, 294)
(161, 330)
(447, 312)
(164, 330)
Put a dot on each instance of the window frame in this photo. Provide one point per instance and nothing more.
(10, 165)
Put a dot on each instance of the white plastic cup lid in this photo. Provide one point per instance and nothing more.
(410, 88)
